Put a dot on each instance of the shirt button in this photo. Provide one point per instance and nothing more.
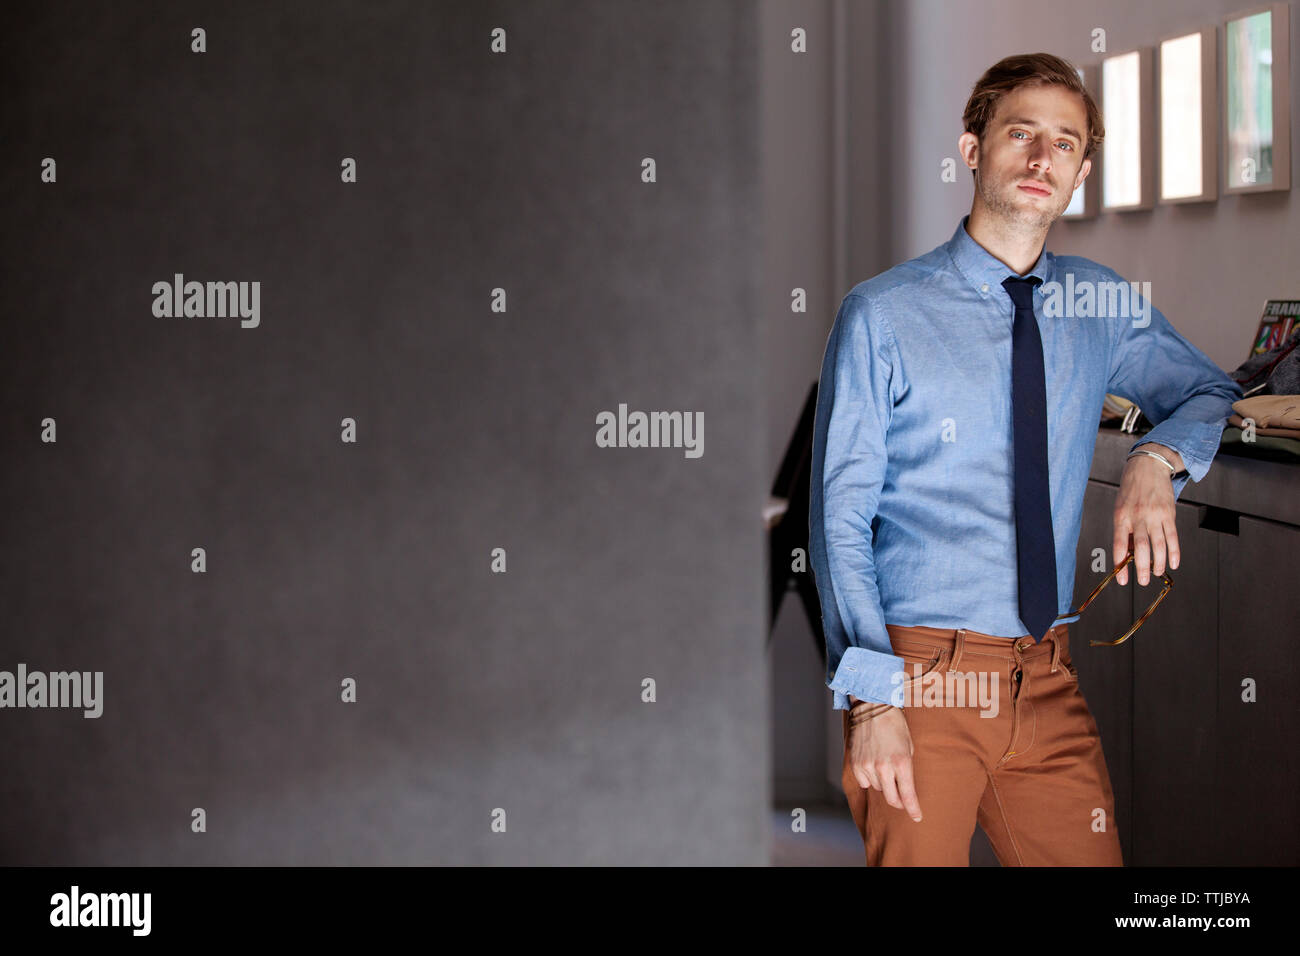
(984, 287)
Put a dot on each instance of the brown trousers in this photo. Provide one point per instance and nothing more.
(1001, 736)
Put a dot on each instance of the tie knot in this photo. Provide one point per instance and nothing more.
(1021, 290)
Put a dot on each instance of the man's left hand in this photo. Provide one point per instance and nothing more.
(1145, 509)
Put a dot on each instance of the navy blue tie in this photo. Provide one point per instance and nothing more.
(1035, 544)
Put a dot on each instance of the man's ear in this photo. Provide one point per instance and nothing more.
(968, 144)
(1084, 170)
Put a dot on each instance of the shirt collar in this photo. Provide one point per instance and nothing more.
(983, 270)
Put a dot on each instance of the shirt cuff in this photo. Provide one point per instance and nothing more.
(867, 675)
(1196, 442)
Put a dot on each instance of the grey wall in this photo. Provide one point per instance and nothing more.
(799, 248)
(476, 430)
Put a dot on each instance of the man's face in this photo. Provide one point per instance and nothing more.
(1030, 159)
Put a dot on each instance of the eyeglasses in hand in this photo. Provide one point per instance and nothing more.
(1168, 583)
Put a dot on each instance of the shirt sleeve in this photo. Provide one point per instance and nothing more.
(854, 403)
(1186, 396)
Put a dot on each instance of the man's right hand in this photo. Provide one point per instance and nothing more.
(880, 753)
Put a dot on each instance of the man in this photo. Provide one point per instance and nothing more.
(956, 419)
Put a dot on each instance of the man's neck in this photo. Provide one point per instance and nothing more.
(1007, 242)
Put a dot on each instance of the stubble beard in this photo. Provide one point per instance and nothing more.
(999, 196)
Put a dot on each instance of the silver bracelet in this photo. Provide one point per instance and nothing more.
(1154, 454)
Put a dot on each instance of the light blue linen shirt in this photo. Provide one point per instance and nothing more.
(911, 509)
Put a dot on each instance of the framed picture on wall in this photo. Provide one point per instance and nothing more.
(1128, 178)
(1189, 117)
(1257, 91)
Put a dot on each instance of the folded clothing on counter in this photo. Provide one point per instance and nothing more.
(1268, 447)
(1275, 372)
(1275, 432)
(1273, 414)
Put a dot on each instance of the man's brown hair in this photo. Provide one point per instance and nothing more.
(1025, 69)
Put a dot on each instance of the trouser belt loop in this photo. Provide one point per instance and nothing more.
(959, 641)
(1056, 649)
